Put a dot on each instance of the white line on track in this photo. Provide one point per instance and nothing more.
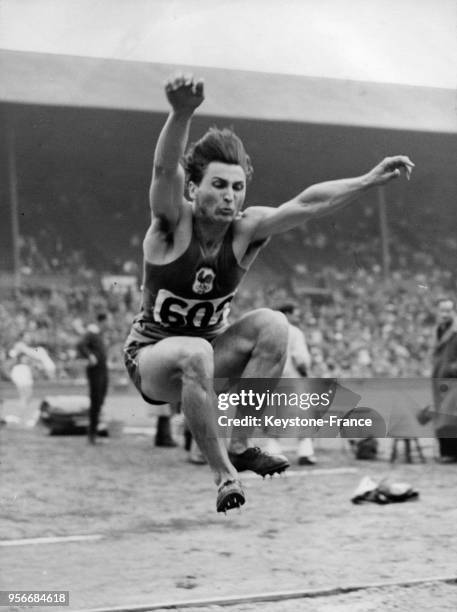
(249, 476)
(276, 596)
(52, 540)
(304, 473)
(139, 431)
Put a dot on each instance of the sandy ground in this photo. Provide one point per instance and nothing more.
(424, 598)
(162, 540)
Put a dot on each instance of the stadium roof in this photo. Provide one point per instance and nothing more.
(64, 80)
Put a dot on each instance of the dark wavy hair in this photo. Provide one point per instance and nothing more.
(215, 146)
(287, 308)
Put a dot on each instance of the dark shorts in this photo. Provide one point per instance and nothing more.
(131, 350)
(140, 337)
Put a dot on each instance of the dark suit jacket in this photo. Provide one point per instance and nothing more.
(445, 382)
(92, 343)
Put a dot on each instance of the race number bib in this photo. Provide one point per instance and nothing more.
(173, 310)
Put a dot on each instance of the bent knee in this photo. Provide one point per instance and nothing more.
(272, 333)
(196, 358)
(270, 321)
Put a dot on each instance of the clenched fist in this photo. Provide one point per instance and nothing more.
(184, 93)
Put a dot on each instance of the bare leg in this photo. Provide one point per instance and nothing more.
(253, 347)
(198, 404)
(181, 369)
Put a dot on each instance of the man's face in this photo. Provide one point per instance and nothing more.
(221, 192)
(105, 324)
(446, 311)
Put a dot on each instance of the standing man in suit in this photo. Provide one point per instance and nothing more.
(92, 348)
(445, 391)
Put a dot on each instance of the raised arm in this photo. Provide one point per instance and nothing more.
(324, 198)
(167, 186)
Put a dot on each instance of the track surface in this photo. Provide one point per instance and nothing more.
(162, 540)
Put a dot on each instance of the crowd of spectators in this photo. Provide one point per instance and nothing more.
(361, 324)
(55, 318)
(365, 325)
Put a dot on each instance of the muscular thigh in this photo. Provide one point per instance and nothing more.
(234, 347)
(159, 366)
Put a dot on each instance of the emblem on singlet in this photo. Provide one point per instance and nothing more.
(203, 281)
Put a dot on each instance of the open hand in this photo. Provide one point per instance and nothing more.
(184, 93)
(390, 168)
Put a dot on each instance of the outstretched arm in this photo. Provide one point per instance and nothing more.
(324, 198)
(167, 187)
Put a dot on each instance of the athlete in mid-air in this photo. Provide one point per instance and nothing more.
(198, 247)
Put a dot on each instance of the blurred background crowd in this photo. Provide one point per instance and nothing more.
(358, 321)
(364, 279)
